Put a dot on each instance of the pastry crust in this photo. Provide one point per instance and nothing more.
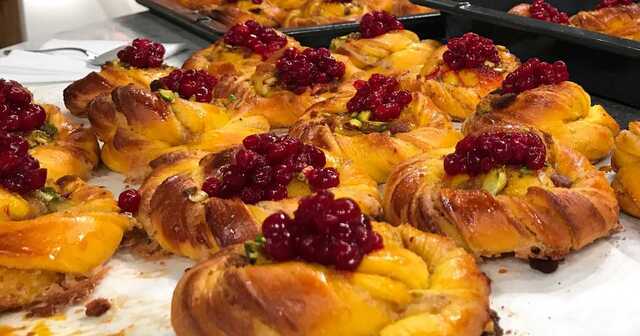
(79, 94)
(185, 221)
(137, 126)
(619, 21)
(53, 255)
(431, 287)
(560, 209)
(458, 92)
(420, 127)
(626, 162)
(563, 110)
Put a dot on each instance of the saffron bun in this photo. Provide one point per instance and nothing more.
(50, 250)
(137, 126)
(419, 283)
(626, 162)
(542, 214)
(378, 148)
(184, 220)
(458, 92)
(562, 110)
(79, 94)
(620, 21)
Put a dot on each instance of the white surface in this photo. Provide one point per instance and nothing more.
(593, 293)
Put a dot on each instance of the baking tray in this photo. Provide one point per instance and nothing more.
(605, 65)
(427, 25)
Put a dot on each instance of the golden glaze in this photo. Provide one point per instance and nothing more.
(626, 162)
(419, 284)
(620, 21)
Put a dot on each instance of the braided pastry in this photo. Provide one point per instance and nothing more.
(619, 21)
(542, 214)
(228, 13)
(184, 220)
(392, 53)
(562, 110)
(458, 92)
(79, 94)
(137, 126)
(56, 243)
(376, 147)
(321, 12)
(626, 162)
(418, 284)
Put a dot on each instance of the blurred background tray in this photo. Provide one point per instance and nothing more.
(429, 25)
(605, 65)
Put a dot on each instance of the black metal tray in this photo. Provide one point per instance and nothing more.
(428, 25)
(606, 66)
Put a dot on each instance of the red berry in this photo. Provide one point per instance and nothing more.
(259, 39)
(377, 23)
(129, 201)
(534, 73)
(198, 84)
(613, 3)
(298, 70)
(212, 186)
(323, 178)
(381, 96)
(470, 51)
(142, 53)
(544, 11)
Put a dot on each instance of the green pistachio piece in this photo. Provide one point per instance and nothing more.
(364, 115)
(167, 95)
(50, 129)
(355, 123)
(495, 181)
(253, 249)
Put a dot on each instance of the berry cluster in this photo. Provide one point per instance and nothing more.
(297, 70)
(470, 51)
(381, 96)
(378, 23)
(17, 112)
(534, 73)
(324, 230)
(142, 53)
(261, 40)
(613, 3)
(477, 154)
(188, 83)
(263, 168)
(129, 200)
(19, 171)
(544, 11)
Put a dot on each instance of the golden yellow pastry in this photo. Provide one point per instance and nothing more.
(418, 284)
(539, 214)
(620, 21)
(562, 110)
(177, 212)
(137, 125)
(53, 242)
(228, 13)
(375, 146)
(459, 91)
(626, 162)
(321, 12)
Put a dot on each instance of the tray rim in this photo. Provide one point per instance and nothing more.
(620, 46)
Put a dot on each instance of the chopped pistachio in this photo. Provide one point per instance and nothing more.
(355, 123)
(167, 95)
(364, 115)
(233, 97)
(495, 181)
(38, 137)
(253, 248)
(50, 129)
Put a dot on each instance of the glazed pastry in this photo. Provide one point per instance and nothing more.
(221, 198)
(390, 50)
(626, 162)
(551, 104)
(620, 20)
(377, 127)
(137, 125)
(141, 71)
(229, 13)
(284, 84)
(409, 283)
(505, 190)
(456, 80)
(61, 146)
(53, 242)
(541, 10)
(321, 12)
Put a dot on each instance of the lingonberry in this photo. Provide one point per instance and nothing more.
(261, 40)
(17, 111)
(378, 23)
(470, 51)
(188, 83)
(298, 70)
(613, 3)
(129, 201)
(477, 154)
(381, 96)
(534, 73)
(544, 11)
(324, 230)
(142, 53)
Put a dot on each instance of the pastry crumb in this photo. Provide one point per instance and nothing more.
(97, 307)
